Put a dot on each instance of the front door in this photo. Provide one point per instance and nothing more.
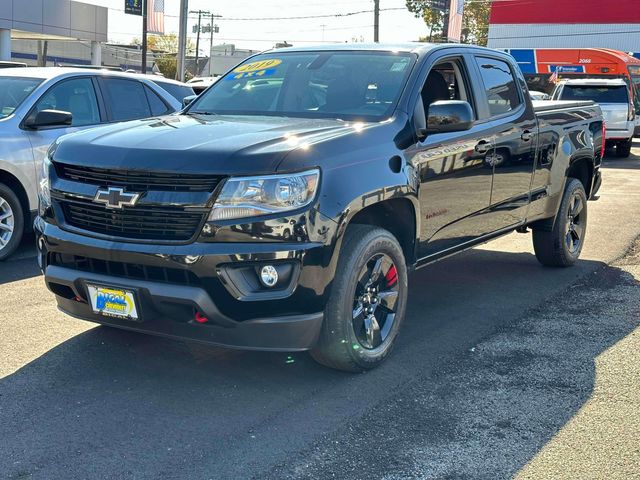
(455, 178)
(75, 95)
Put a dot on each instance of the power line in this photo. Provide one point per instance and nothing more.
(297, 17)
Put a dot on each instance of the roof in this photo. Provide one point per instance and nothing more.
(47, 73)
(595, 81)
(44, 73)
(373, 47)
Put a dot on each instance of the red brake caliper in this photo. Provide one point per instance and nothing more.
(391, 276)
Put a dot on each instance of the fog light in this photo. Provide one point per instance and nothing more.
(269, 276)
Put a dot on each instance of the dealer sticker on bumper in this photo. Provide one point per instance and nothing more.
(113, 302)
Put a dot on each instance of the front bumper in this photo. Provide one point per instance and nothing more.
(286, 333)
(289, 321)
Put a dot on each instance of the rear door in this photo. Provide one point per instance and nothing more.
(128, 99)
(514, 129)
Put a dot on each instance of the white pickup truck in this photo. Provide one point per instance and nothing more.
(613, 96)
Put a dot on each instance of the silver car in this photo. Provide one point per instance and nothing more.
(615, 100)
(38, 105)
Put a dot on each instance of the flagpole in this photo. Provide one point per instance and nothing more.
(144, 36)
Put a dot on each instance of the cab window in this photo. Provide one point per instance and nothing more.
(446, 81)
(76, 96)
(500, 85)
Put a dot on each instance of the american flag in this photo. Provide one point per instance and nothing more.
(155, 16)
(456, 11)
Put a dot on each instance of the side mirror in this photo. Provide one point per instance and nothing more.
(186, 101)
(49, 118)
(449, 116)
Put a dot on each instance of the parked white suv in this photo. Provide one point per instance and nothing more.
(38, 105)
(614, 98)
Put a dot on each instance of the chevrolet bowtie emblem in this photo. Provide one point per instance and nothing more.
(115, 197)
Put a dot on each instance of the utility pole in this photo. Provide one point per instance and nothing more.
(144, 36)
(182, 40)
(445, 27)
(198, 30)
(376, 21)
(214, 29)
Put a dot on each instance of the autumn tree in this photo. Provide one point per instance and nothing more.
(167, 45)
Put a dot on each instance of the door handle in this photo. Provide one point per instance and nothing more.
(526, 136)
(483, 146)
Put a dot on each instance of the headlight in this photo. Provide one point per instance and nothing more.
(44, 193)
(244, 197)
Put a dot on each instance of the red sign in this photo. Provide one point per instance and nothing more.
(565, 11)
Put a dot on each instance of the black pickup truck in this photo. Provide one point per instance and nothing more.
(286, 206)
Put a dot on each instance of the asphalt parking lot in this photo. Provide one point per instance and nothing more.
(504, 368)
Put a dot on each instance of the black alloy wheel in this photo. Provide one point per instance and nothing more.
(575, 226)
(558, 241)
(375, 302)
(367, 303)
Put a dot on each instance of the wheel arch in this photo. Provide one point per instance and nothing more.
(396, 215)
(582, 168)
(16, 185)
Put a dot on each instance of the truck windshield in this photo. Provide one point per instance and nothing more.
(599, 94)
(13, 91)
(345, 85)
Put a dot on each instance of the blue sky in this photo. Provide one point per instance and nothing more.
(395, 25)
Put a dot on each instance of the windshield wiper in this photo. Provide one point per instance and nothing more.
(201, 113)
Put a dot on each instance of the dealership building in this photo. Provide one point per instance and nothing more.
(613, 24)
(60, 21)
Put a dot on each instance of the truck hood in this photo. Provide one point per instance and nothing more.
(197, 144)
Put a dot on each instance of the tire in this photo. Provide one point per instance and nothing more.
(350, 339)
(623, 149)
(11, 221)
(560, 244)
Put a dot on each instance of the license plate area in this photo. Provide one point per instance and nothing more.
(113, 302)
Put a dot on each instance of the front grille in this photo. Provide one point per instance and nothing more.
(125, 270)
(164, 223)
(138, 179)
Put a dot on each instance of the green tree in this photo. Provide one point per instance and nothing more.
(165, 43)
(475, 22)
(433, 14)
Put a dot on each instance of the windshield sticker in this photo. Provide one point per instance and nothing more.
(258, 66)
(256, 74)
(399, 66)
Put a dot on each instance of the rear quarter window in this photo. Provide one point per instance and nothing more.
(179, 92)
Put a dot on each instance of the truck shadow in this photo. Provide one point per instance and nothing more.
(465, 377)
(22, 264)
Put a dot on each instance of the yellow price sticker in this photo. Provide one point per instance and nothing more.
(256, 66)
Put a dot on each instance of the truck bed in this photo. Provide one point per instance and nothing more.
(547, 105)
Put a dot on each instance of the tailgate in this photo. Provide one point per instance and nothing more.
(615, 115)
